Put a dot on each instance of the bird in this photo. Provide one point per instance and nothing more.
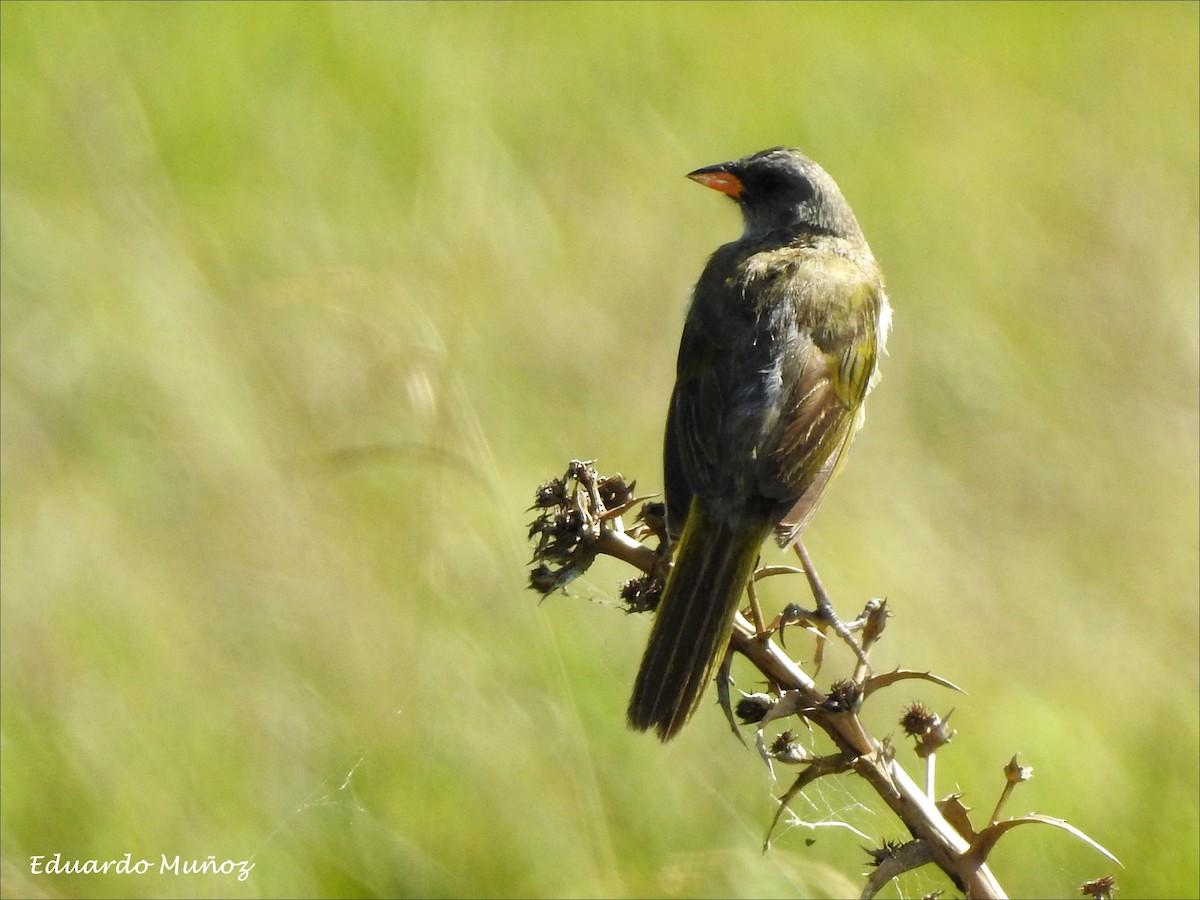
(779, 350)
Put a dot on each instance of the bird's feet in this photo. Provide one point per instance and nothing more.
(824, 617)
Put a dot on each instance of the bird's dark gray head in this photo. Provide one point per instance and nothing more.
(782, 189)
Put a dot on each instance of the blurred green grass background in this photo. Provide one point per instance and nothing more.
(301, 302)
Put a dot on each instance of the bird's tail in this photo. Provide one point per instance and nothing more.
(713, 562)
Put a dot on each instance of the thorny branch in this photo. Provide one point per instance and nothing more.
(580, 516)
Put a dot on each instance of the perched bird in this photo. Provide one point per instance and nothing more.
(779, 350)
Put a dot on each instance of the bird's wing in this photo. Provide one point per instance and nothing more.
(829, 365)
(698, 452)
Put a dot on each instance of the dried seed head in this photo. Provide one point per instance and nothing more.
(550, 493)
(653, 515)
(935, 736)
(753, 707)
(918, 719)
(614, 491)
(1100, 888)
(844, 696)
(1015, 773)
(880, 855)
(641, 594)
(782, 741)
(786, 749)
(543, 579)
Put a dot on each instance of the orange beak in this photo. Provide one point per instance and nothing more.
(718, 179)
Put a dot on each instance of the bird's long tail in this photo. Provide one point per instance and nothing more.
(713, 562)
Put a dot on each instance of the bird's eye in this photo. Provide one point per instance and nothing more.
(790, 185)
(771, 182)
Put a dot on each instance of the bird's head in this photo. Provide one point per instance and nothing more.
(782, 189)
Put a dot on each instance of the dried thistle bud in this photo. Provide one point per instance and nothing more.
(570, 524)
(1100, 888)
(543, 579)
(614, 491)
(753, 707)
(560, 535)
(918, 719)
(781, 742)
(568, 521)
(1015, 773)
(581, 470)
(641, 594)
(844, 696)
(558, 532)
(930, 730)
(880, 855)
(654, 514)
(786, 749)
(937, 735)
(550, 493)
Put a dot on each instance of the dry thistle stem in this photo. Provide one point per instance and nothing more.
(579, 518)
(1014, 774)
(931, 733)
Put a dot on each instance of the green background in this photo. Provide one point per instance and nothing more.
(301, 302)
